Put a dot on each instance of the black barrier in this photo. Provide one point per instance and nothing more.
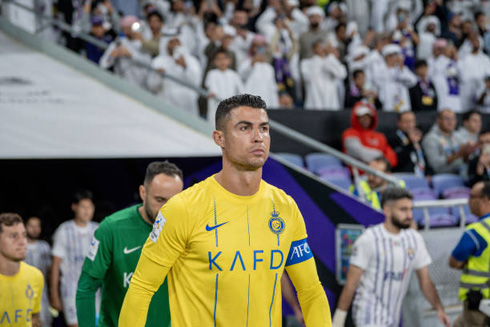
(327, 126)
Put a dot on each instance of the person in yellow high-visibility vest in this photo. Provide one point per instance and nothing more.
(472, 254)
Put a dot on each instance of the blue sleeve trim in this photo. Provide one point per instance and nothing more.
(299, 252)
(471, 243)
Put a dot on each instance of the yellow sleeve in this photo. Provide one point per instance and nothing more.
(301, 269)
(38, 291)
(311, 296)
(167, 241)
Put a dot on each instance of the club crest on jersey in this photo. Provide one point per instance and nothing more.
(29, 291)
(411, 253)
(276, 223)
(157, 227)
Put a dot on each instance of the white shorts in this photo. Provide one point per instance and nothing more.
(69, 310)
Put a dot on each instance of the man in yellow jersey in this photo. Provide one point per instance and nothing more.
(21, 285)
(224, 242)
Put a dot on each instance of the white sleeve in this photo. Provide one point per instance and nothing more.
(306, 72)
(193, 73)
(335, 67)
(362, 250)
(422, 257)
(154, 80)
(106, 61)
(59, 244)
(406, 77)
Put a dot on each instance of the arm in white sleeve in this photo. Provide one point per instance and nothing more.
(355, 148)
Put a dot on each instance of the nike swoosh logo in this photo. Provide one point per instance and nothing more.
(210, 228)
(128, 251)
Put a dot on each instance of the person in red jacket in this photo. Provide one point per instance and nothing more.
(361, 141)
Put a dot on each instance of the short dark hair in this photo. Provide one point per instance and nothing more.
(467, 115)
(82, 195)
(162, 167)
(227, 105)
(420, 63)
(485, 191)
(10, 219)
(385, 161)
(484, 131)
(478, 14)
(156, 14)
(221, 50)
(400, 114)
(339, 26)
(394, 194)
(357, 72)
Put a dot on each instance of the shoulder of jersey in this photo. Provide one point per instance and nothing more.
(66, 224)
(32, 270)
(119, 216)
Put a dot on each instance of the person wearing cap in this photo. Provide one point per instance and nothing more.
(258, 74)
(483, 99)
(361, 141)
(321, 73)
(178, 63)
(125, 55)
(94, 53)
(393, 80)
(315, 32)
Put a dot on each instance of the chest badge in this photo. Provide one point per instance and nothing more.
(29, 291)
(276, 223)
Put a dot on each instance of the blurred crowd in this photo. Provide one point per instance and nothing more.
(398, 55)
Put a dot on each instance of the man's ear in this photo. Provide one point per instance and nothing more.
(142, 192)
(219, 138)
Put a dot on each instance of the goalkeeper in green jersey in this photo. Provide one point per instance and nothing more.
(116, 248)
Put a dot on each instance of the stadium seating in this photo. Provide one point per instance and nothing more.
(293, 158)
(316, 161)
(342, 182)
(443, 182)
(413, 181)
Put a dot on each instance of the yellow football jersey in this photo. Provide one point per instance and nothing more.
(227, 254)
(20, 296)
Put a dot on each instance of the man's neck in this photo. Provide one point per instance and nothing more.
(391, 228)
(80, 222)
(8, 267)
(243, 183)
(144, 215)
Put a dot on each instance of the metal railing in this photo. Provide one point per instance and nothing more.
(280, 128)
(425, 205)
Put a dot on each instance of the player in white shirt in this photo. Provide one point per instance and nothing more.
(383, 259)
(71, 243)
(39, 255)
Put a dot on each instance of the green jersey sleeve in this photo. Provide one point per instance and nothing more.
(99, 257)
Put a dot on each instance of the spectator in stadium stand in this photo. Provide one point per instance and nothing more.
(72, 241)
(446, 153)
(119, 239)
(358, 90)
(374, 186)
(321, 74)
(361, 141)
(336, 14)
(446, 76)
(423, 96)
(39, 256)
(375, 60)
(428, 16)
(406, 144)
(94, 53)
(377, 281)
(453, 33)
(151, 42)
(221, 82)
(285, 101)
(405, 36)
(220, 37)
(471, 256)
(393, 80)
(483, 97)
(315, 32)
(482, 24)
(474, 68)
(427, 38)
(438, 51)
(125, 55)
(244, 37)
(357, 59)
(358, 11)
(258, 75)
(471, 127)
(284, 46)
(340, 40)
(177, 62)
(479, 166)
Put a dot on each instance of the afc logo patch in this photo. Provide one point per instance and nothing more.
(157, 227)
(276, 223)
(411, 253)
